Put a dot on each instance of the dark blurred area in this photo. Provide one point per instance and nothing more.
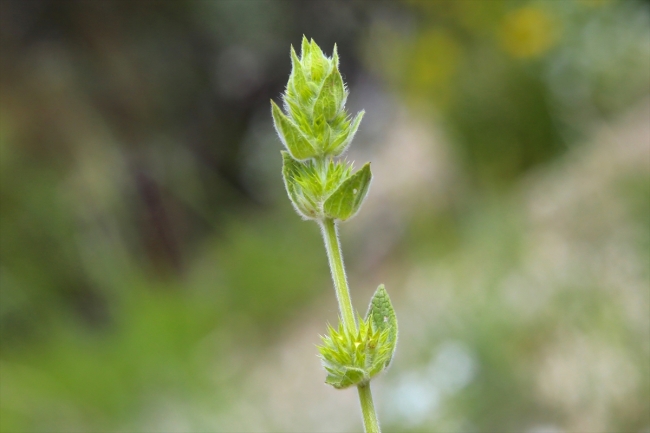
(154, 277)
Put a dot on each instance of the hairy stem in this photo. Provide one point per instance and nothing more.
(335, 257)
(370, 422)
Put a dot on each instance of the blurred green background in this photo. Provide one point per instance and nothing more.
(154, 277)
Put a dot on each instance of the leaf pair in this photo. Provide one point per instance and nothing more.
(305, 140)
(325, 189)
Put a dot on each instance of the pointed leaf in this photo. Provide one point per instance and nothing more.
(295, 142)
(293, 108)
(352, 376)
(291, 171)
(298, 85)
(339, 145)
(305, 47)
(305, 55)
(319, 63)
(345, 202)
(383, 316)
(331, 97)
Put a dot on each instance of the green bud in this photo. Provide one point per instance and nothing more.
(315, 124)
(353, 357)
(383, 317)
(345, 202)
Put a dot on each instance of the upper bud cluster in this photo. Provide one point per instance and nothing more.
(314, 129)
(316, 123)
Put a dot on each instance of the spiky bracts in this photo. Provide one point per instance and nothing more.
(316, 123)
(353, 357)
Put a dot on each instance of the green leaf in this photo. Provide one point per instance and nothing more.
(342, 140)
(320, 64)
(305, 54)
(383, 317)
(293, 108)
(318, 129)
(352, 376)
(337, 172)
(295, 142)
(298, 86)
(292, 172)
(331, 97)
(345, 202)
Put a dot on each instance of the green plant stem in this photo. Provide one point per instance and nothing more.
(370, 422)
(338, 273)
(335, 258)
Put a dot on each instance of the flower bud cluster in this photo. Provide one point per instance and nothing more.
(316, 128)
(316, 123)
(353, 357)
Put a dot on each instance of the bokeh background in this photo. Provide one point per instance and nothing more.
(154, 277)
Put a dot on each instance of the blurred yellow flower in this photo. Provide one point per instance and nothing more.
(528, 32)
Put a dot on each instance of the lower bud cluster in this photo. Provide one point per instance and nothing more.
(354, 356)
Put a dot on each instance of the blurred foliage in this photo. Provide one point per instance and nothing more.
(521, 320)
(150, 263)
(515, 82)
